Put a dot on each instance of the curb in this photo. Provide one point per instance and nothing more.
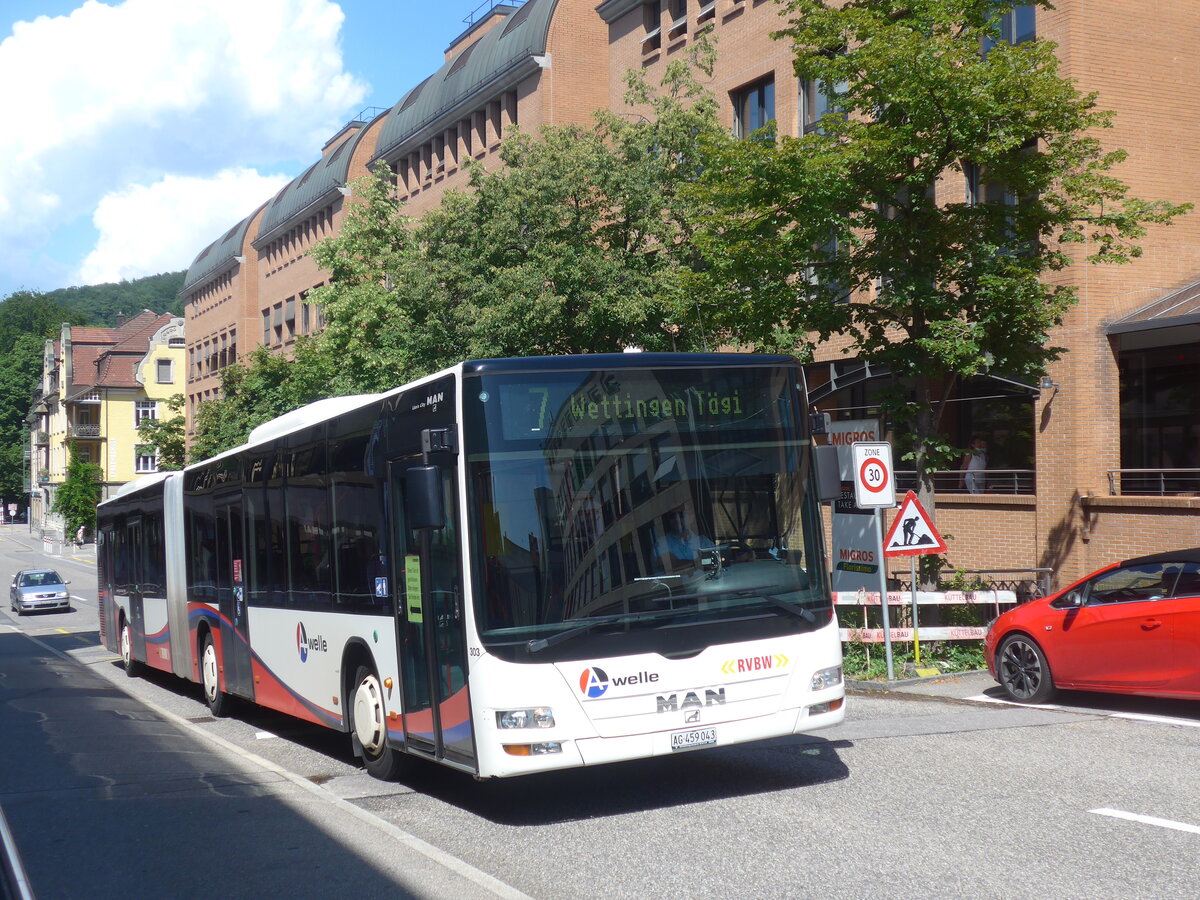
(868, 687)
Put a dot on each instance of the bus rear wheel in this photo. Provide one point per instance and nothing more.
(368, 723)
(132, 666)
(210, 678)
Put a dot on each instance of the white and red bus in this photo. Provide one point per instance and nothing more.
(508, 567)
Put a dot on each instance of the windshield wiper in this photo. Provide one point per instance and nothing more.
(794, 608)
(537, 645)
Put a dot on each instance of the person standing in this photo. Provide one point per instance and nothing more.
(974, 465)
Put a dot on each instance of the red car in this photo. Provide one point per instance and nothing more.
(1131, 628)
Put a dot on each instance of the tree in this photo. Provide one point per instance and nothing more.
(575, 245)
(258, 389)
(860, 227)
(76, 498)
(167, 436)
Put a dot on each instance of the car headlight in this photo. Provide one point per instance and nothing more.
(827, 678)
(537, 717)
(61, 595)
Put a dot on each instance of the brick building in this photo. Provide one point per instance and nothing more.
(1061, 490)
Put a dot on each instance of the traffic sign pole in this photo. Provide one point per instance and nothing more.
(875, 487)
(883, 597)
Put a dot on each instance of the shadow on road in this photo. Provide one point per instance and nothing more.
(621, 788)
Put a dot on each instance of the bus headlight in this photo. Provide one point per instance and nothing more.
(827, 678)
(533, 749)
(538, 717)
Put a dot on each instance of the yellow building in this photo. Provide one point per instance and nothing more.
(98, 384)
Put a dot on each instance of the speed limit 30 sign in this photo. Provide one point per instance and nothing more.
(874, 480)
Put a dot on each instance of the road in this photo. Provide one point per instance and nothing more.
(928, 790)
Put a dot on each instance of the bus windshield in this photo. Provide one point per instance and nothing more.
(666, 509)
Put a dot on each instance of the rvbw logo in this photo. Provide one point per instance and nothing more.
(317, 644)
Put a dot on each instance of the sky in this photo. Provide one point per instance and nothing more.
(133, 134)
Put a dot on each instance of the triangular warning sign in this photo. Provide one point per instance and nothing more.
(912, 533)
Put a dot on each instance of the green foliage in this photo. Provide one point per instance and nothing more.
(868, 662)
(574, 246)
(100, 304)
(76, 498)
(167, 436)
(257, 390)
(859, 228)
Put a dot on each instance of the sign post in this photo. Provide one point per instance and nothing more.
(875, 488)
(918, 537)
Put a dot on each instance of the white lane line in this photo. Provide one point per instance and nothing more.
(264, 736)
(984, 698)
(1147, 820)
(86, 600)
(1161, 720)
(1137, 717)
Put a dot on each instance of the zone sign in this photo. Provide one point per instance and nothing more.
(874, 480)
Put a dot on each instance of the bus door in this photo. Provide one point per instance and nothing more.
(429, 610)
(231, 598)
(134, 578)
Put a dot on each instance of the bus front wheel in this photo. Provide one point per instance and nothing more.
(368, 722)
(216, 699)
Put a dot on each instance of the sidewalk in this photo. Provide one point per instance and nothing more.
(956, 686)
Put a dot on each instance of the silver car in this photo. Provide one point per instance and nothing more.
(38, 589)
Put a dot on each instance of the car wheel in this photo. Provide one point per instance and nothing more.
(368, 723)
(1023, 670)
(132, 666)
(217, 700)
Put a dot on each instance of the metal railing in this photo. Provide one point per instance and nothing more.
(994, 481)
(84, 431)
(486, 7)
(1153, 482)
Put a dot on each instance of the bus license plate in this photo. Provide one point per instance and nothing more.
(691, 740)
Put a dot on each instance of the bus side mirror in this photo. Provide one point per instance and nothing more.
(423, 497)
(829, 473)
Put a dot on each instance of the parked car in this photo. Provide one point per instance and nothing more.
(1131, 628)
(38, 589)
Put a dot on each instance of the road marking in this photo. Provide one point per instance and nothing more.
(984, 698)
(1147, 820)
(1137, 717)
(264, 735)
(80, 599)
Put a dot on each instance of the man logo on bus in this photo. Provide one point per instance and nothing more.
(593, 682)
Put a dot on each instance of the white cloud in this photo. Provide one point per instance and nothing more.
(113, 96)
(142, 231)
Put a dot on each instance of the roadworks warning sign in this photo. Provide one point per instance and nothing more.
(912, 532)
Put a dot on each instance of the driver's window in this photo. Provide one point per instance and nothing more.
(1145, 582)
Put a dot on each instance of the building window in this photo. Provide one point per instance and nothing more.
(144, 409)
(164, 371)
(1017, 26)
(1160, 417)
(818, 99)
(753, 107)
(145, 459)
(266, 314)
(289, 317)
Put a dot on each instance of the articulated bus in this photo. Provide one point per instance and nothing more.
(510, 566)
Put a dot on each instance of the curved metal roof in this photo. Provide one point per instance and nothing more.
(520, 38)
(219, 253)
(325, 175)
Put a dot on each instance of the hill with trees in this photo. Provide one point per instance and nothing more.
(28, 318)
